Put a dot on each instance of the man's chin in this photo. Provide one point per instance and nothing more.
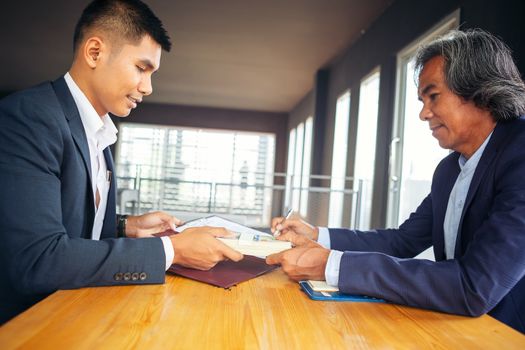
(122, 113)
(445, 145)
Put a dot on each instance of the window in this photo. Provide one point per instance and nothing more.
(298, 166)
(186, 170)
(414, 152)
(307, 156)
(290, 169)
(298, 169)
(337, 183)
(365, 150)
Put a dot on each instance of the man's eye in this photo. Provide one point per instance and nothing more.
(141, 69)
(433, 96)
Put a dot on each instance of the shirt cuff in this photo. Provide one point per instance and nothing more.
(168, 251)
(324, 237)
(331, 271)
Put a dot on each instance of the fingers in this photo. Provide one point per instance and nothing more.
(198, 248)
(285, 225)
(168, 219)
(147, 224)
(298, 240)
(220, 253)
(307, 262)
(230, 253)
(287, 260)
(274, 259)
(174, 222)
(218, 231)
(275, 221)
(225, 250)
(286, 236)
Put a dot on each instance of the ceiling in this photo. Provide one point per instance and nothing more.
(241, 54)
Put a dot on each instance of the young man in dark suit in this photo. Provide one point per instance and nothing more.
(474, 101)
(58, 225)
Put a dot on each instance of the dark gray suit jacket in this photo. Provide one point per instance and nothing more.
(487, 274)
(47, 208)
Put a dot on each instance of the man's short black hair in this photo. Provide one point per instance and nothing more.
(121, 20)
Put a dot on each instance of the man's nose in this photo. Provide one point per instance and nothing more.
(145, 86)
(425, 113)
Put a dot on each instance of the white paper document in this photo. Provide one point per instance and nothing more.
(322, 286)
(248, 241)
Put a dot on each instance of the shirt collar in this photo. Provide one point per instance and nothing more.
(474, 160)
(102, 130)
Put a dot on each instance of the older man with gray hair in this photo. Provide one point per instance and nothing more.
(474, 101)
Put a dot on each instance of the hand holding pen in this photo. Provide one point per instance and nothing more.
(277, 232)
(294, 230)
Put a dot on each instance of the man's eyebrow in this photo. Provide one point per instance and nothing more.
(148, 64)
(426, 90)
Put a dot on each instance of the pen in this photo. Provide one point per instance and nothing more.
(277, 233)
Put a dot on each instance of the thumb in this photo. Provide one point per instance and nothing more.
(231, 253)
(274, 259)
(169, 220)
(299, 240)
(289, 225)
(174, 222)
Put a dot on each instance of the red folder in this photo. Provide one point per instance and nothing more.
(226, 273)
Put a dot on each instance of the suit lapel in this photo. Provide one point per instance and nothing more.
(79, 138)
(75, 123)
(70, 109)
(109, 228)
(490, 152)
(440, 196)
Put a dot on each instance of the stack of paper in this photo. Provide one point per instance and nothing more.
(256, 244)
(322, 286)
(248, 241)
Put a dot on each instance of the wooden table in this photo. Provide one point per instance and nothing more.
(269, 312)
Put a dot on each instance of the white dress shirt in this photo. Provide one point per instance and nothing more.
(457, 198)
(101, 133)
(333, 263)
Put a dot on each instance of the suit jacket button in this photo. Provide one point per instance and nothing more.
(118, 276)
(134, 276)
(127, 276)
(143, 276)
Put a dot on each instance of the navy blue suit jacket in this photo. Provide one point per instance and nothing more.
(487, 273)
(47, 206)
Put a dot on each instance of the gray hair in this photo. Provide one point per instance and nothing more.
(478, 67)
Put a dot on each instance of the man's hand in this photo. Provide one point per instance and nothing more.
(148, 224)
(302, 263)
(198, 248)
(298, 240)
(296, 226)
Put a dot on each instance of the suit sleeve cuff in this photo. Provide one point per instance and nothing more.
(324, 237)
(168, 251)
(331, 271)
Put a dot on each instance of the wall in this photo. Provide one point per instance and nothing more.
(302, 110)
(402, 23)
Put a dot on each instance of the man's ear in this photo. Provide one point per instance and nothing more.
(92, 51)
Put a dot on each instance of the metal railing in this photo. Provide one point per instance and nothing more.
(254, 203)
